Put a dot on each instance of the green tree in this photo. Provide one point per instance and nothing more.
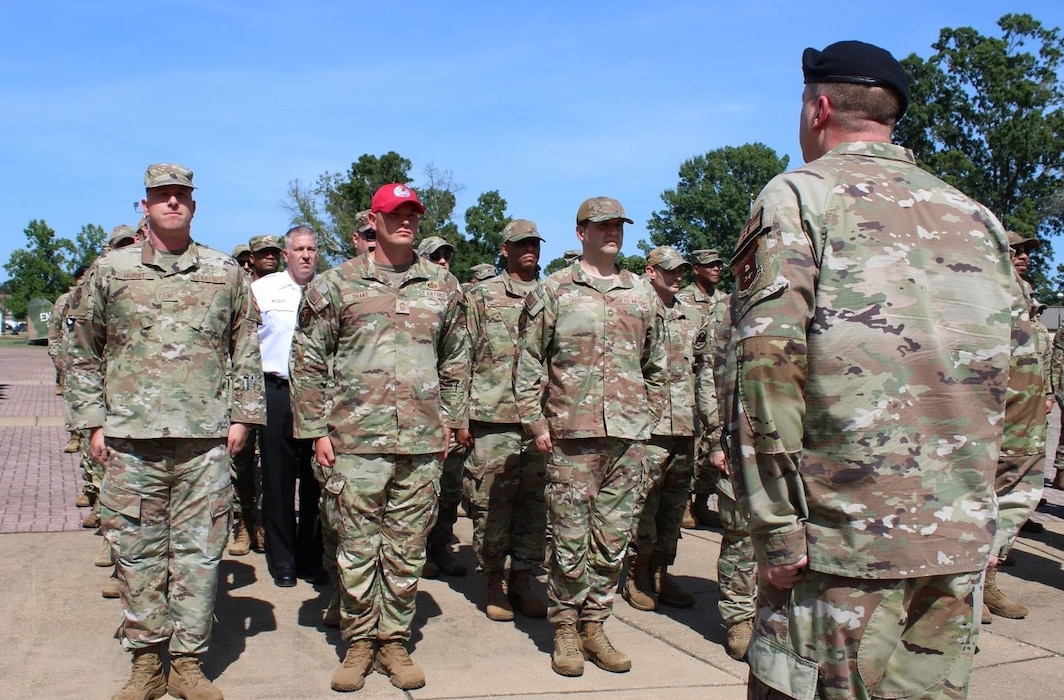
(42, 269)
(711, 203)
(484, 223)
(88, 244)
(985, 116)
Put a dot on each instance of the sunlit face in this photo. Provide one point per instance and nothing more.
(665, 282)
(522, 256)
(601, 238)
(301, 256)
(398, 228)
(708, 275)
(169, 208)
(1021, 259)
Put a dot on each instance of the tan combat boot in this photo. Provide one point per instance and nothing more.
(332, 616)
(393, 661)
(639, 586)
(688, 522)
(92, 518)
(522, 597)
(567, 659)
(146, 682)
(73, 444)
(497, 606)
(669, 592)
(986, 617)
(241, 543)
(106, 557)
(1058, 479)
(188, 682)
(82, 501)
(998, 602)
(738, 639)
(351, 674)
(441, 554)
(599, 650)
(110, 589)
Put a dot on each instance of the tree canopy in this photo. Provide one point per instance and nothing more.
(42, 269)
(985, 117)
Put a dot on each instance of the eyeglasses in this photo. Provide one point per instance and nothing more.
(370, 235)
(442, 254)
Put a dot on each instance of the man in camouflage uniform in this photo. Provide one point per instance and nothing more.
(589, 384)
(156, 330)
(856, 354)
(379, 366)
(242, 255)
(57, 349)
(365, 235)
(505, 474)
(121, 237)
(710, 301)
(481, 272)
(668, 458)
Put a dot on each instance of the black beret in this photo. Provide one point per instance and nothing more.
(859, 63)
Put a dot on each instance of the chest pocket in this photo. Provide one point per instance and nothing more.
(500, 328)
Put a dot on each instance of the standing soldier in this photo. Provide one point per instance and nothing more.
(505, 474)
(588, 381)
(157, 329)
(669, 456)
(703, 293)
(379, 367)
(122, 236)
(244, 468)
(265, 255)
(242, 255)
(365, 235)
(874, 313)
(481, 272)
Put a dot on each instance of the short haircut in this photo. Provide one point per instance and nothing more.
(859, 103)
(300, 230)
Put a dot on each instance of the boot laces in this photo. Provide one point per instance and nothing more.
(190, 669)
(358, 653)
(567, 642)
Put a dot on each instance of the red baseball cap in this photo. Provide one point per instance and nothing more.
(389, 197)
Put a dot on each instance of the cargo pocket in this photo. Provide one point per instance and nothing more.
(119, 501)
(781, 669)
(335, 484)
(220, 502)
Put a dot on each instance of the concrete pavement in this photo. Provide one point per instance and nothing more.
(57, 633)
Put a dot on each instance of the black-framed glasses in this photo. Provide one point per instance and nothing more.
(441, 254)
(370, 235)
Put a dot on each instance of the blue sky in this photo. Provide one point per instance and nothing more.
(549, 103)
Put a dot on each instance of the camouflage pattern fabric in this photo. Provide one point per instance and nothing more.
(568, 326)
(1056, 370)
(668, 461)
(57, 332)
(504, 484)
(91, 469)
(380, 369)
(165, 510)
(592, 486)
(378, 601)
(929, 622)
(871, 386)
(505, 476)
(450, 494)
(151, 346)
(328, 514)
(244, 473)
(736, 569)
(712, 307)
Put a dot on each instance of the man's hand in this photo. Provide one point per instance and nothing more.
(783, 576)
(97, 447)
(238, 435)
(543, 443)
(1049, 405)
(464, 438)
(446, 443)
(718, 461)
(323, 451)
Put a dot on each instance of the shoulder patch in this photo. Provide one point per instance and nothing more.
(315, 297)
(745, 266)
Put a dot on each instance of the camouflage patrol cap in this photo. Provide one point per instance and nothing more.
(482, 271)
(857, 63)
(1016, 239)
(241, 249)
(362, 223)
(601, 209)
(571, 255)
(431, 244)
(142, 225)
(163, 174)
(666, 257)
(122, 235)
(257, 244)
(706, 256)
(519, 230)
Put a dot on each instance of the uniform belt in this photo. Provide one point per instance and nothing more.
(276, 380)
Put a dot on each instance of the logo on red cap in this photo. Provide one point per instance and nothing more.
(389, 197)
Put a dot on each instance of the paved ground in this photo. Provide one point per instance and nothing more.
(56, 633)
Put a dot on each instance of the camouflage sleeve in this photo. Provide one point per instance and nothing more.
(86, 338)
(775, 271)
(313, 346)
(535, 330)
(56, 324)
(1018, 482)
(453, 364)
(474, 315)
(706, 385)
(1056, 365)
(247, 400)
(655, 366)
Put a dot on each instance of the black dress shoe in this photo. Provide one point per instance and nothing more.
(316, 578)
(284, 581)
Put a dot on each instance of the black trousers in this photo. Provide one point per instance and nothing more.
(293, 545)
